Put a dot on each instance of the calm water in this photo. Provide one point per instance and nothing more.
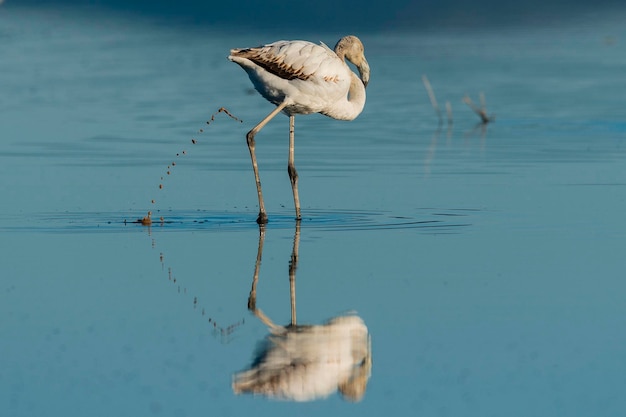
(486, 263)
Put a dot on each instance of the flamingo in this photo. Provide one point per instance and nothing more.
(301, 77)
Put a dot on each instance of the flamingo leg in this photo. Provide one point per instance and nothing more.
(262, 219)
(291, 168)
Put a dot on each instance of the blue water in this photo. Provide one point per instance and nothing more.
(486, 261)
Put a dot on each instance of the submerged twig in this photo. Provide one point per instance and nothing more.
(431, 95)
(480, 111)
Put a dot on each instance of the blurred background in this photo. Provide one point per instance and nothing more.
(349, 15)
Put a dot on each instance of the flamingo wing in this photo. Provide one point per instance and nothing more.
(292, 60)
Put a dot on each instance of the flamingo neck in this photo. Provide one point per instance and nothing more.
(352, 105)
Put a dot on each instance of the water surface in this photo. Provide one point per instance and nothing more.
(485, 261)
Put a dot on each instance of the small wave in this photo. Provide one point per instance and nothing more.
(427, 220)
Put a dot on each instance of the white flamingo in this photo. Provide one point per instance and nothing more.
(301, 77)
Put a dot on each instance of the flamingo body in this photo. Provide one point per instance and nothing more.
(300, 77)
(310, 77)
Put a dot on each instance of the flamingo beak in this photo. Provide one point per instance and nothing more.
(364, 71)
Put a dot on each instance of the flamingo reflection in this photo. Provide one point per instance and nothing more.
(306, 362)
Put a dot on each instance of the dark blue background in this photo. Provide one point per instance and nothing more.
(351, 14)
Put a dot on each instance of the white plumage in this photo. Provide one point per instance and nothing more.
(304, 363)
(301, 77)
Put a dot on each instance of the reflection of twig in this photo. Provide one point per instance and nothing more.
(431, 95)
(217, 329)
(480, 111)
(449, 112)
(432, 149)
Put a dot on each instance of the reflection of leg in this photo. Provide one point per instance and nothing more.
(257, 267)
(291, 168)
(266, 320)
(262, 219)
(293, 265)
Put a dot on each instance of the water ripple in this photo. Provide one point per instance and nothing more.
(435, 221)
